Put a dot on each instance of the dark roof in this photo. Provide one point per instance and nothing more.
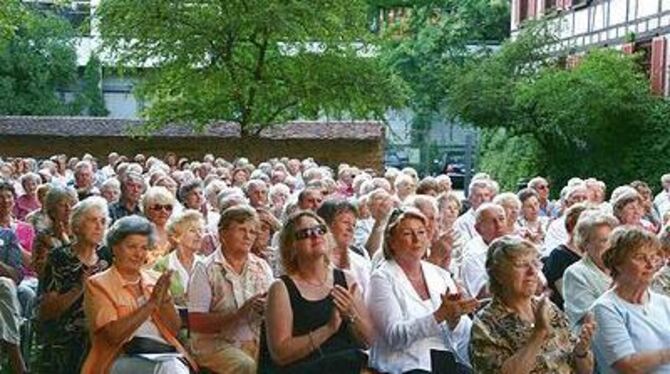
(113, 127)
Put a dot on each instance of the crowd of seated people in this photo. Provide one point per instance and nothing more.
(170, 265)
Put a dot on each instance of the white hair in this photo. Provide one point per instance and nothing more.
(81, 209)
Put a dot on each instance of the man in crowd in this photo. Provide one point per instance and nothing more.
(132, 187)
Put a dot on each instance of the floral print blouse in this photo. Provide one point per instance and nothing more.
(498, 334)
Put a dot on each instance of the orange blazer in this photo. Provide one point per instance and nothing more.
(107, 300)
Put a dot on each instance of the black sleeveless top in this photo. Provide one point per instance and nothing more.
(308, 316)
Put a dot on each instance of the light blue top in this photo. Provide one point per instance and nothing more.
(625, 329)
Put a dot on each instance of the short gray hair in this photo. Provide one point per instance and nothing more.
(507, 198)
(479, 213)
(127, 226)
(30, 176)
(81, 165)
(55, 195)
(421, 201)
(81, 209)
(479, 183)
(588, 222)
(664, 238)
(111, 183)
(535, 181)
(499, 256)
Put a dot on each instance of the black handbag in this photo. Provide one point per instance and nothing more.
(139, 345)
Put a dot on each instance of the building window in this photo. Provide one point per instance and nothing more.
(580, 3)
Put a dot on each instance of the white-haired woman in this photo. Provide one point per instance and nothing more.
(587, 279)
(157, 205)
(512, 206)
(111, 190)
(186, 231)
(404, 185)
(278, 195)
(61, 288)
(28, 202)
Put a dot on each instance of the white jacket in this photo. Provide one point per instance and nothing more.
(406, 328)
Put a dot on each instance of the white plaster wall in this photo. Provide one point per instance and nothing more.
(646, 8)
(618, 11)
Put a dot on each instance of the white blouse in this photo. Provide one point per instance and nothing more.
(405, 323)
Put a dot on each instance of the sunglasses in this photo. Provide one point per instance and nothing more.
(543, 187)
(310, 232)
(157, 207)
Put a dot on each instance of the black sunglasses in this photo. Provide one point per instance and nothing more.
(310, 232)
(157, 207)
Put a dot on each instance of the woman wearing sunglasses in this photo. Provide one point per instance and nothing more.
(419, 312)
(157, 205)
(315, 319)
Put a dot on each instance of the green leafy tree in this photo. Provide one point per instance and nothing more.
(256, 63)
(11, 14)
(588, 121)
(37, 58)
(435, 36)
(90, 99)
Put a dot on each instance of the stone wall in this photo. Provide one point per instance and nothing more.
(362, 153)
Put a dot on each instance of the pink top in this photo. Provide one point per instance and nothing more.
(26, 235)
(25, 205)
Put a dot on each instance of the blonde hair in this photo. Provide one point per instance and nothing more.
(289, 257)
(588, 222)
(180, 222)
(623, 243)
(499, 256)
(157, 194)
(397, 216)
(237, 214)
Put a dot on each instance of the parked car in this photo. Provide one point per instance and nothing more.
(396, 159)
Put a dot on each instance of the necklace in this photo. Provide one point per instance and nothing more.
(313, 284)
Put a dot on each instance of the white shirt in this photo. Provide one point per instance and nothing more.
(405, 323)
(360, 269)
(557, 234)
(583, 284)
(662, 202)
(362, 231)
(625, 329)
(473, 269)
(183, 273)
(465, 224)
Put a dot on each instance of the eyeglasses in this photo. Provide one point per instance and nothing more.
(311, 232)
(166, 207)
(525, 265)
(543, 187)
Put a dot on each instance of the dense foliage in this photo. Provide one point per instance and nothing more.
(252, 62)
(37, 57)
(598, 119)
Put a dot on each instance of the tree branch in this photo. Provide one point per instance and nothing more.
(247, 111)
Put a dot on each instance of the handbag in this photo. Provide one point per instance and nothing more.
(140, 345)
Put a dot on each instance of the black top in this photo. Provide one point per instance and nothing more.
(554, 268)
(309, 315)
(118, 210)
